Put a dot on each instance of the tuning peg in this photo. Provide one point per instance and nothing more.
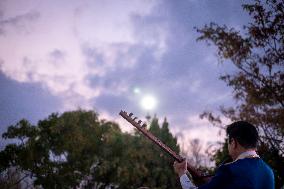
(135, 118)
(131, 114)
(139, 122)
(144, 125)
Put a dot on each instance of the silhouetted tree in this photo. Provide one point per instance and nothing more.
(76, 149)
(257, 53)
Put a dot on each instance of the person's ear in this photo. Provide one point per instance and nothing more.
(235, 143)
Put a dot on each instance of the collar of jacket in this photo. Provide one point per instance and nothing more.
(248, 154)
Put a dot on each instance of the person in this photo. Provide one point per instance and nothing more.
(246, 171)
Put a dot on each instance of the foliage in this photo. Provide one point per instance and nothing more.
(162, 171)
(148, 165)
(10, 179)
(76, 149)
(54, 150)
(257, 52)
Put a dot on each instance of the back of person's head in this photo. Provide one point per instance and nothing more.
(244, 132)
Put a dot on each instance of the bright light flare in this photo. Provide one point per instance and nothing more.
(136, 90)
(148, 102)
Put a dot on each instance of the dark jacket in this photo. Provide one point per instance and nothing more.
(247, 173)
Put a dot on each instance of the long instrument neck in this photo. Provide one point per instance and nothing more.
(196, 175)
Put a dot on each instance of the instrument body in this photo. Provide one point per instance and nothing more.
(196, 175)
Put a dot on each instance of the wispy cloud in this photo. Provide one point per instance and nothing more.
(18, 23)
(96, 41)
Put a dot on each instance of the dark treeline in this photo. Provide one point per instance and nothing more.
(78, 149)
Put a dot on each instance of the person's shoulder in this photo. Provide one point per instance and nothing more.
(242, 164)
(247, 165)
(245, 171)
(267, 167)
(264, 163)
(224, 169)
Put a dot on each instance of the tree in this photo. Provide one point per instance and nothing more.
(141, 163)
(60, 150)
(257, 52)
(10, 179)
(157, 163)
(196, 156)
(76, 149)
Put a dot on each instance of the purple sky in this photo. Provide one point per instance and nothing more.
(61, 55)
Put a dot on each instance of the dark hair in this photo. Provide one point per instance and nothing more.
(244, 132)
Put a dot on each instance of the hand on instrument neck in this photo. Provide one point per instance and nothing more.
(180, 168)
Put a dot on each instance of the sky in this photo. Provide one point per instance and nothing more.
(107, 55)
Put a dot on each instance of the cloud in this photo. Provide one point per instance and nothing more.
(71, 44)
(24, 100)
(94, 48)
(200, 129)
(18, 23)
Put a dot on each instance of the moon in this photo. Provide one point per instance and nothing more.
(148, 102)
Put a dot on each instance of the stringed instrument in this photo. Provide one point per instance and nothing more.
(197, 177)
